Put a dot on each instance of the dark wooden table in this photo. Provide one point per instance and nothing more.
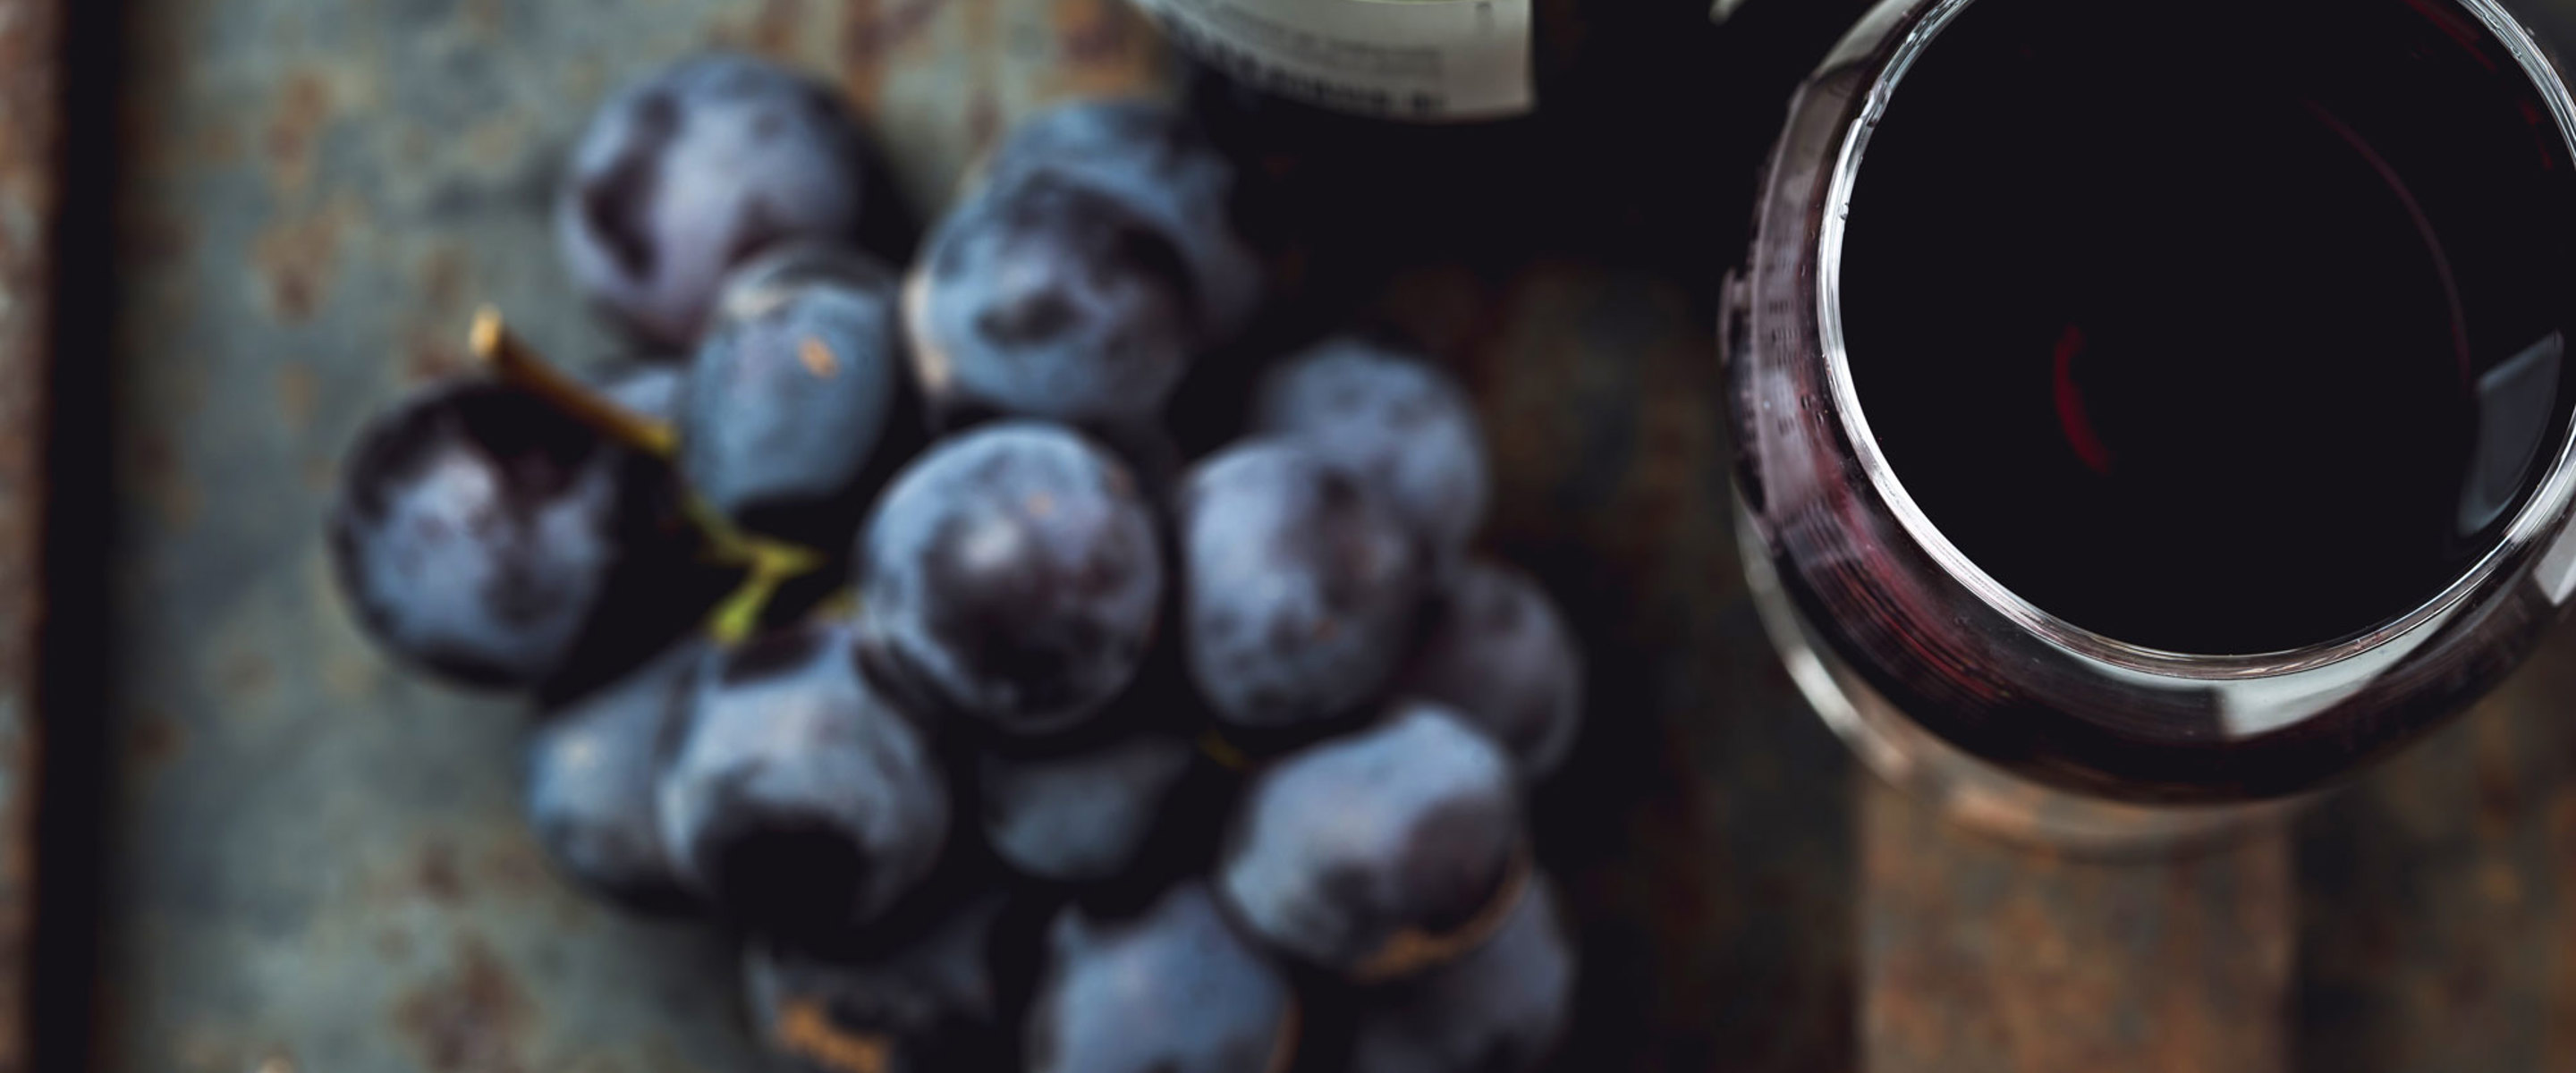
(314, 862)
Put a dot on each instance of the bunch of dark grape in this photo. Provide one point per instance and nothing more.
(890, 631)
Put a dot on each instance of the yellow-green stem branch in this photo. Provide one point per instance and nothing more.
(768, 563)
(513, 360)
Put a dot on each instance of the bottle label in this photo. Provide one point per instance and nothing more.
(1418, 60)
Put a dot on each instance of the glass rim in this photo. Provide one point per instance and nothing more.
(2550, 496)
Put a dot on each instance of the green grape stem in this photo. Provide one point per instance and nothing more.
(768, 563)
(771, 563)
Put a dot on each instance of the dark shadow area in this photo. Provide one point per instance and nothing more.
(1703, 831)
(63, 984)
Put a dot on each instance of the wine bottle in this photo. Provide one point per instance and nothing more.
(1454, 127)
(1399, 60)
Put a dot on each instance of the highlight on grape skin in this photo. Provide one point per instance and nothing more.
(1171, 991)
(1349, 852)
(1083, 816)
(1013, 574)
(1393, 420)
(1153, 159)
(1301, 587)
(477, 528)
(684, 175)
(1042, 297)
(793, 391)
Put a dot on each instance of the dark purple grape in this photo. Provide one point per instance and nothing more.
(1502, 657)
(1395, 421)
(1363, 854)
(1174, 991)
(1153, 159)
(1012, 574)
(1498, 1009)
(930, 1005)
(693, 170)
(478, 530)
(1041, 297)
(1301, 588)
(792, 391)
(1083, 816)
(590, 777)
(799, 800)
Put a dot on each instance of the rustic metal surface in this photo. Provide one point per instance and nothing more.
(1982, 956)
(2437, 909)
(319, 859)
(319, 863)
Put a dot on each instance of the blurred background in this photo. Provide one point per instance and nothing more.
(264, 848)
